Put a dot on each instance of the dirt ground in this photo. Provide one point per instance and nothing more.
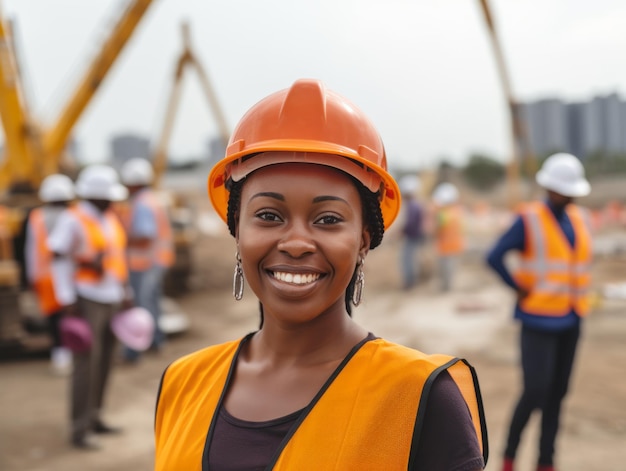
(474, 321)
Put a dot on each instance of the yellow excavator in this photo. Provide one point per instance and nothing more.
(33, 150)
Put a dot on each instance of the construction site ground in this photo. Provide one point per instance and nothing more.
(473, 321)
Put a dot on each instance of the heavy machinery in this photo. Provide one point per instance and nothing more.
(33, 150)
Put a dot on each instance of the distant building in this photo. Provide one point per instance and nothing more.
(127, 146)
(582, 128)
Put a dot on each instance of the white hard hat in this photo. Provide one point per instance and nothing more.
(137, 171)
(409, 185)
(56, 187)
(100, 182)
(445, 193)
(564, 174)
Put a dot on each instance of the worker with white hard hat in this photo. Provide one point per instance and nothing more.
(412, 230)
(150, 246)
(448, 228)
(91, 281)
(552, 282)
(56, 193)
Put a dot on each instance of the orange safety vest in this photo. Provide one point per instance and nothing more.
(161, 249)
(42, 275)
(449, 232)
(98, 243)
(556, 275)
(386, 383)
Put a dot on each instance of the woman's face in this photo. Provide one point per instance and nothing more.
(300, 234)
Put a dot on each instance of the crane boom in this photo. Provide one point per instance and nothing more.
(56, 136)
(18, 126)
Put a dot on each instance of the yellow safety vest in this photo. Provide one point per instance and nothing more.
(383, 381)
(556, 275)
(42, 277)
(161, 250)
(449, 234)
(97, 243)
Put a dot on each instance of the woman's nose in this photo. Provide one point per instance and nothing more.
(297, 241)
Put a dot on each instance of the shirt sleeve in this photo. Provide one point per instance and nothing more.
(61, 241)
(513, 239)
(448, 438)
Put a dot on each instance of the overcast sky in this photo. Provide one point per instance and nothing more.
(422, 70)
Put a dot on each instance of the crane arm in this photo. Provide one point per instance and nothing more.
(19, 164)
(520, 147)
(56, 136)
(186, 58)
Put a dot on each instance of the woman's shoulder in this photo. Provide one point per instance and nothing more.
(403, 354)
(204, 358)
(400, 356)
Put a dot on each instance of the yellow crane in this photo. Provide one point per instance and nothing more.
(520, 147)
(186, 60)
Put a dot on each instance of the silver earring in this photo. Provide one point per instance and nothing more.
(238, 279)
(357, 294)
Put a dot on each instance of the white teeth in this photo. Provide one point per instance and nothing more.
(296, 279)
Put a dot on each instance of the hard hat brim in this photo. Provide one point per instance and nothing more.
(218, 194)
(576, 189)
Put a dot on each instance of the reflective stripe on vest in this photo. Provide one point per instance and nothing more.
(160, 250)
(42, 277)
(449, 231)
(557, 276)
(383, 382)
(106, 240)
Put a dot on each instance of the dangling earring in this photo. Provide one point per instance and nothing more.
(238, 279)
(357, 294)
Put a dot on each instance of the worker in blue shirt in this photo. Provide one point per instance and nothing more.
(552, 286)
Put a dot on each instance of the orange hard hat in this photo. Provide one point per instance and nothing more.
(306, 123)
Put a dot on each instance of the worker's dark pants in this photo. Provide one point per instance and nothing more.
(91, 369)
(547, 359)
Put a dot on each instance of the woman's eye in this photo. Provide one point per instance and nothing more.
(329, 219)
(268, 216)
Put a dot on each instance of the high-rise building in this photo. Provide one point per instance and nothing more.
(581, 128)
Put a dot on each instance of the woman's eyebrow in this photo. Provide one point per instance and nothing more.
(319, 199)
(268, 194)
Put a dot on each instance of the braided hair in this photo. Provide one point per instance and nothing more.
(371, 213)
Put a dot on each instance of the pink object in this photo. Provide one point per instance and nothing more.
(76, 334)
(134, 327)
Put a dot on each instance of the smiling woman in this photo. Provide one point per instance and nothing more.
(305, 191)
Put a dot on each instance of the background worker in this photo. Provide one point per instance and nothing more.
(412, 230)
(150, 249)
(552, 286)
(56, 192)
(448, 231)
(90, 281)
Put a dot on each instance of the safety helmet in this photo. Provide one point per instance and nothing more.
(409, 185)
(306, 123)
(134, 327)
(76, 334)
(100, 182)
(446, 193)
(137, 171)
(564, 174)
(56, 187)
